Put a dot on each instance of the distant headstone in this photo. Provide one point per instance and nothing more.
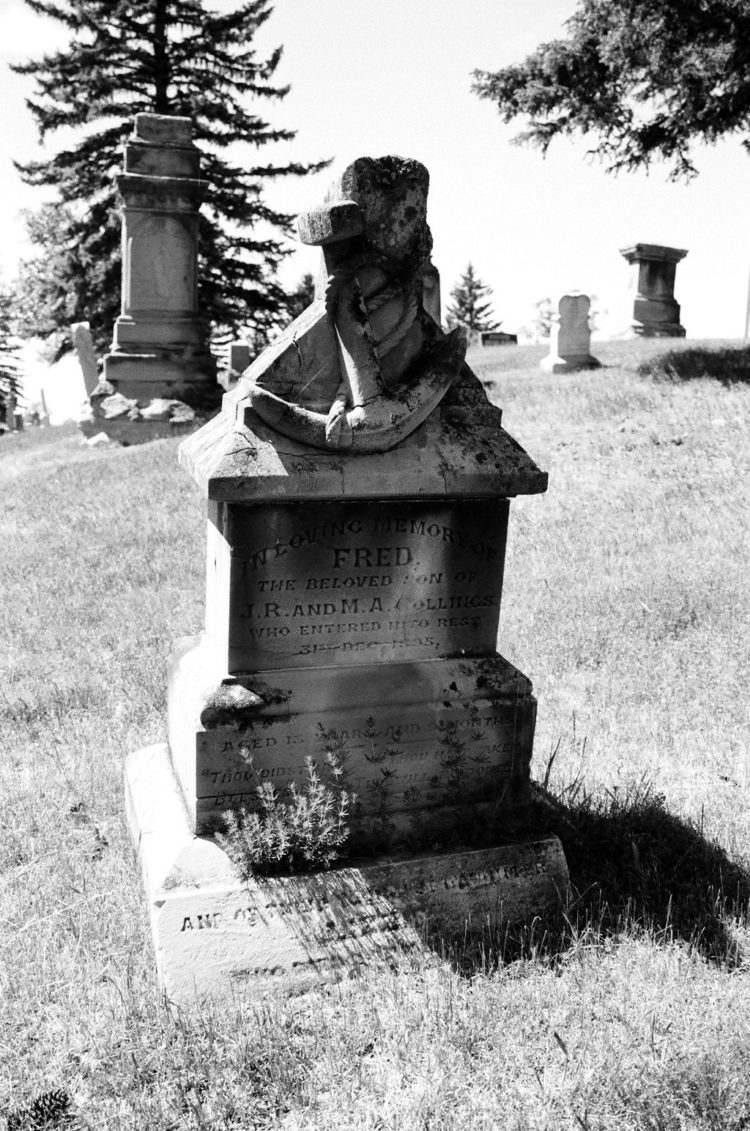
(84, 347)
(570, 336)
(358, 484)
(239, 357)
(656, 313)
(497, 338)
(159, 350)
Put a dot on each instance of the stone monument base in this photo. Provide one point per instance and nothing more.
(133, 416)
(656, 330)
(140, 430)
(411, 719)
(217, 938)
(570, 364)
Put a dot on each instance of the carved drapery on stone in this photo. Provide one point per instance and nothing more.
(367, 362)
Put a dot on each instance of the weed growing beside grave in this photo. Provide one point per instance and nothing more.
(308, 828)
(626, 601)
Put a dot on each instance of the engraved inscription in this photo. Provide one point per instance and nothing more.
(340, 920)
(350, 583)
(421, 752)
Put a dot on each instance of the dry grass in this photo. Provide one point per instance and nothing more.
(627, 603)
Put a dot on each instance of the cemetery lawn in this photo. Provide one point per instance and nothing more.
(627, 603)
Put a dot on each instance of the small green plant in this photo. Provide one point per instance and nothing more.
(310, 829)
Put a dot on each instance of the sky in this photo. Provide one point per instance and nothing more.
(369, 79)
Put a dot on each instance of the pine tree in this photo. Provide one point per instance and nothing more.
(10, 365)
(470, 306)
(639, 79)
(540, 327)
(302, 296)
(44, 301)
(165, 57)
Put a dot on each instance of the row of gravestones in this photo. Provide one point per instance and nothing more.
(358, 484)
(656, 312)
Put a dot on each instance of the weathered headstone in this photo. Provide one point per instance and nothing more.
(358, 484)
(10, 413)
(656, 313)
(159, 350)
(83, 344)
(237, 360)
(570, 336)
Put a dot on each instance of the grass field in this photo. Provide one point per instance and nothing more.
(627, 603)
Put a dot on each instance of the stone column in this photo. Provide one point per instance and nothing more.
(159, 362)
(656, 314)
(570, 336)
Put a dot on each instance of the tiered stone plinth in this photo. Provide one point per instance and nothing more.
(217, 938)
(656, 313)
(159, 378)
(352, 604)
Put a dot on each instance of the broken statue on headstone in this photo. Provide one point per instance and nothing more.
(358, 484)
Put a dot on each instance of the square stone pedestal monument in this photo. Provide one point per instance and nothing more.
(656, 312)
(358, 484)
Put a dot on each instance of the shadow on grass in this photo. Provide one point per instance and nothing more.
(633, 866)
(729, 365)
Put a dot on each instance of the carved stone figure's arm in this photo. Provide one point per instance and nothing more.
(332, 224)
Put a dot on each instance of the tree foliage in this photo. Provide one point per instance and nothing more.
(470, 305)
(302, 296)
(540, 326)
(10, 364)
(646, 78)
(166, 57)
(44, 299)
